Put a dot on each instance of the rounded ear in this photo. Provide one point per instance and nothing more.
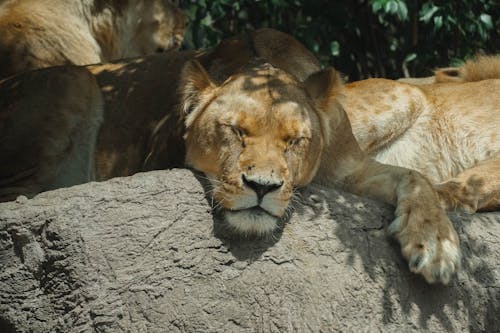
(324, 86)
(195, 86)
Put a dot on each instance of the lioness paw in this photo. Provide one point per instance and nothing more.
(430, 246)
(437, 260)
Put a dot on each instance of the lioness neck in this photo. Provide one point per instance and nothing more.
(341, 154)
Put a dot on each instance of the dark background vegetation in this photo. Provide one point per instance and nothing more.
(361, 38)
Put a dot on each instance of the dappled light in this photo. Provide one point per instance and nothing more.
(404, 293)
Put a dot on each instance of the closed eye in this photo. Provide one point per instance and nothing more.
(238, 132)
(293, 142)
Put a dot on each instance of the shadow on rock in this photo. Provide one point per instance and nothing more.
(472, 293)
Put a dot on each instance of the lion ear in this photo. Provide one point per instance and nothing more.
(196, 87)
(324, 86)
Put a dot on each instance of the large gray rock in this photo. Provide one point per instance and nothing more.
(139, 254)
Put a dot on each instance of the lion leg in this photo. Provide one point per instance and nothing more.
(475, 189)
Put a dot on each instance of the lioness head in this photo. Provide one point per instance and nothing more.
(256, 136)
(160, 27)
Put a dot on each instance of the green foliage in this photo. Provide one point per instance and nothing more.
(362, 38)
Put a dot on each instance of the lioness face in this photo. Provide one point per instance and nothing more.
(256, 137)
(161, 28)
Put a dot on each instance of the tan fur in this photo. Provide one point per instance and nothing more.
(43, 33)
(258, 131)
(440, 130)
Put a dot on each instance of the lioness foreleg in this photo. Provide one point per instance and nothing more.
(427, 237)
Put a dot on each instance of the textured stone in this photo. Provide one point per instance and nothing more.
(139, 254)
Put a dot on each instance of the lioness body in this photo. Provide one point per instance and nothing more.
(43, 33)
(258, 120)
(439, 130)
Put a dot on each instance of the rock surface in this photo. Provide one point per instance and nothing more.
(139, 254)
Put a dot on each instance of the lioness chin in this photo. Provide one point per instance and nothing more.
(256, 115)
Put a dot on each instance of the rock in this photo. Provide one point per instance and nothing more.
(139, 254)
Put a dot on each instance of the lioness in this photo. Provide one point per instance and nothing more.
(44, 33)
(257, 116)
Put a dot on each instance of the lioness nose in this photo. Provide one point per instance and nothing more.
(260, 187)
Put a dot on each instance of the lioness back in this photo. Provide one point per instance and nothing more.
(43, 33)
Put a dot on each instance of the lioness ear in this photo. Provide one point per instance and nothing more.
(324, 86)
(196, 87)
(450, 74)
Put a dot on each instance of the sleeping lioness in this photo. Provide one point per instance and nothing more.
(43, 33)
(256, 115)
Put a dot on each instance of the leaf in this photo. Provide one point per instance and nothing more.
(486, 19)
(427, 13)
(410, 57)
(316, 47)
(207, 20)
(391, 7)
(402, 11)
(377, 5)
(335, 48)
(438, 22)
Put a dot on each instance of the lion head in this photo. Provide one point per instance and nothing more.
(257, 137)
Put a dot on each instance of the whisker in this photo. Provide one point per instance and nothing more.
(216, 181)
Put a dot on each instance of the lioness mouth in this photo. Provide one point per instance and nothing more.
(255, 210)
(254, 220)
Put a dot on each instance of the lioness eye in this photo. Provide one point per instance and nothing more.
(292, 142)
(238, 131)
